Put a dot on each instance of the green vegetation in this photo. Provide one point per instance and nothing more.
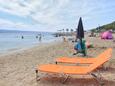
(64, 32)
(110, 26)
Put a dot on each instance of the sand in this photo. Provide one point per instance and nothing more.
(18, 68)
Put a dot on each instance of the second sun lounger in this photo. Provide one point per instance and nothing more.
(81, 60)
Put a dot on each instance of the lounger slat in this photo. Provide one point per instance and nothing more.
(63, 69)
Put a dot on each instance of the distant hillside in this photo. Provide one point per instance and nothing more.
(110, 26)
(11, 31)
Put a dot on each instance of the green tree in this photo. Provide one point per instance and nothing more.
(67, 30)
(71, 30)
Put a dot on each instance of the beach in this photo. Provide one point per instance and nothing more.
(18, 68)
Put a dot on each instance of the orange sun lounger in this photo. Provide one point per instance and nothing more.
(76, 70)
(80, 60)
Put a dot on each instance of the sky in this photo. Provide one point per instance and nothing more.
(53, 15)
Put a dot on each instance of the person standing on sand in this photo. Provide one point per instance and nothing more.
(77, 47)
(80, 49)
(64, 39)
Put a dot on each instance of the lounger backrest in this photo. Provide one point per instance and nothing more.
(102, 58)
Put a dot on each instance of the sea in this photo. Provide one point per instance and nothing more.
(13, 40)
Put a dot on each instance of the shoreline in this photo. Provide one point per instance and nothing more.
(21, 49)
(13, 41)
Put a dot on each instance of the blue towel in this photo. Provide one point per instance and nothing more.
(78, 46)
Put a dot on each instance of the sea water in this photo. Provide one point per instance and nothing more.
(13, 40)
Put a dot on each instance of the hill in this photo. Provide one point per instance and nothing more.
(110, 26)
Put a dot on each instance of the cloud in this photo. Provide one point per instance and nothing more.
(9, 24)
(41, 8)
(41, 12)
(55, 14)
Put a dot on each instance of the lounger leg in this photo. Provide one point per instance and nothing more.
(56, 62)
(37, 77)
(98, 79)
(67, 77)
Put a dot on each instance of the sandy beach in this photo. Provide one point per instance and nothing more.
(18, 68)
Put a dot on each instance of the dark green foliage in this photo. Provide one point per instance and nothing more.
(110, 26)
(67, 30)
(71, 30)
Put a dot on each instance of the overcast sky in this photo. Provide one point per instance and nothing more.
(52, 15)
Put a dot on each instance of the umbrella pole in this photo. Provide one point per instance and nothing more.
(81, 43)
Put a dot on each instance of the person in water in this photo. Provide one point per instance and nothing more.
(40, 37)
(22, 37)
(36, 37)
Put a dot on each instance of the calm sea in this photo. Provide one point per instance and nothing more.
(11, 40)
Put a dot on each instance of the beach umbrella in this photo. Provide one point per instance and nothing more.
(80, 30)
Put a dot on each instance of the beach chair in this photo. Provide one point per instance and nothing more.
(74, 70)
(81, 60)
